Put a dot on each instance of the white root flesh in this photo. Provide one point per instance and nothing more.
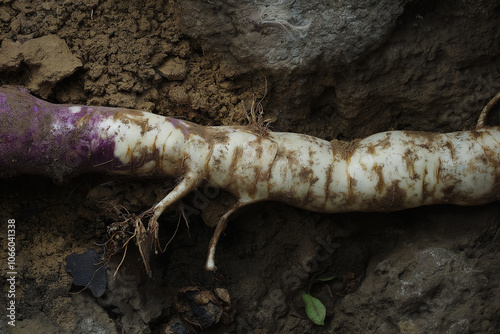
(387, 171)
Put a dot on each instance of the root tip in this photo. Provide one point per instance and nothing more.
(210, 264)
(210, 267)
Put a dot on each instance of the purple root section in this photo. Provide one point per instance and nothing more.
(37, 137)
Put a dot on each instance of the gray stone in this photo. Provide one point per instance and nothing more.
(422, 292)
(291, 35)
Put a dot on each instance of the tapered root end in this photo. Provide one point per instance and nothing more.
(221, 226)
(210, 264)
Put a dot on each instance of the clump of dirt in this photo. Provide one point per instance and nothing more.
(40, 55)
(429, 65)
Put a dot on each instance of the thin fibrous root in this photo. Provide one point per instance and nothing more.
(255, 118)
(144, 238)
(484, 113)
(121, 262)
(173, 236)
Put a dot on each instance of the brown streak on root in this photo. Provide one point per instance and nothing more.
(237, 153)
(380, 183)
(386, 142)
(351, 184)
(394, 198)
(328, 182)
(344, 148)
(253, 186)
(133, 117)
(371, 149)
(85, 120)
(425, 193)
(409, 157)
(437, 171)
(449, 146)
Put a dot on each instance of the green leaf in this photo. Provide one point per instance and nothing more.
(315, 309)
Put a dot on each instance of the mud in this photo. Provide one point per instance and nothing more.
(428, 66)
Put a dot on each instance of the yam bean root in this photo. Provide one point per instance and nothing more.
(386, 171)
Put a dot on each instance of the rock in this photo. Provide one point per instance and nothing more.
(176, 326)
(431, 290)
(289, 35)
(203, 308)
(88, 271)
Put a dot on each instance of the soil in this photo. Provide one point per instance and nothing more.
(428, 66)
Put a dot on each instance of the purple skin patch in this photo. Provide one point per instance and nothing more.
(181, 126)
(38, 137)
